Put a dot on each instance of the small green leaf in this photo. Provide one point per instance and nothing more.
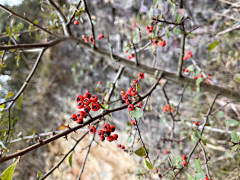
(232, 122)
(150, 167)
(139, 87)
(167, 33)
(94, 22)
(212, 46)
(178, 18)
(141, 152)
(70, 159)
(129, 140)
(177, 159)
(234, 137)
(199, 176)
(39, 175)
(2, 106)
(170, 161)
(189, 176)
(197, 134)
(9, 31)
(198, 81)
(8, 173)
(198, 166)
(191, 35)
(36, 21)
(38, 37)
(19, 101)
(137, 113)
(220, 114)
(235, 147)
(9, 95)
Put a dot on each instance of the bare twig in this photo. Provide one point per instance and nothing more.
(180, 100)
(90, 19)
(205, 160)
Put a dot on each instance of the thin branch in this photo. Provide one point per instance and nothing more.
(136, 56)
(62, 18)
(25, 19)
(221, 107)
(23, 32)
(205, 160)
(64, 157)
(90, 19)
(180, 100)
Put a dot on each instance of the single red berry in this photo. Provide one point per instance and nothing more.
(147, 28)
(119, 145)
(122, 147)
(196, 123)
(185, 58)
(186, 70)
(122, 93)
(126, 51)
(189, 52)
(208, 82)
(106, 127)
(102, 35)
(115, 137)
(99, 37)
(80, 114)
(132, 55)
(150, 31)
(87, 95)
(129, 57)
(194, 88)
(102, 138)
(184, 157)
(128, 101)
(92, 130)
(133, 92)
(183, 70)
(200, 75)
(110, 138)
(151, 27)
(86, 101)
(99, 82)
(184, 163)
(79, 121)
(91, 38)
(94, 42)
(140, 104)
(112, 128)
(162, 43)
(206, 178)
(156, 170)
(100, 133)
(95, 106)
(165, 152)
(130, 107)
(76, 22)
(195, 77)
(160, 176)
(129, 92)
(94, 98)
(87, 109)
(74, 117)
(86, 40)
(125, 97)
(79, 98)
(141, 75)
(133, 122)
(135, 81)
(80, 105)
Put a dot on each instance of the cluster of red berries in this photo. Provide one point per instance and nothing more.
(106, 133)
(159, 175)
(88, 39)
(184, 158)
(207, 79)
(168, 108)
(189, 55)
(87, 102)
(162, 43)
(101, 36)
(149, 29)
(130, 57)
(131, 92)
(121, 146)
(76, 22)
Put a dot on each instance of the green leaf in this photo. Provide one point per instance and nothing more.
(20, 26)
(39, 175)
(10, 94)
(189, 176)
(212, 46)
(199, 176)
(178, 18)
(198, 81)
(170, 161)
(19, 101)
(150, 167)
(8, 173)
(70, 159)
(136, 36)
(191, 34)
(220, 114)
(235, 147)
(36, 21)
(232, 122)
(137, 113)
(141, 152)
(2, 106)
(139, 87)
(178, 31)
(198, 166)
(94, 22)
(234, 137)
(197, 134)
(38, 37)
(129, 140)
(9, 31)
(167, 33)
(177, 159)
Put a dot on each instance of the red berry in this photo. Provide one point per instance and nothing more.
(102, 35)
(140, 104)
(141, 75)
(196, 123)
(189, 52)
(79, 98)
(151, 27)
(112, 128)
(126, 51)
(135, 81)
(99, 82)
(80, 105)
(94, 98)
(129, 57)
(106, 127)
(162, 44)
(94, 42)
(110, 138)
(128, 92)
(95, 106)
(102, 138)
(115, 137)
(165, 152)
(150, 31)
(184, 157)
(183, 71)
(194, 88)
(74, 117)
(91, 38)
(206, 178)
(92, 130)
(160, 176)
(87, 95)
(185, 58)
(208, 82)
(79, 121)
(130, 107)
(119, 145)
(86, 101)
(195, 77)
(86, 40)
(133, 122)
(184, 163)
(156, 170)
(132, 55)
(147, 28)
(122, 147)
(76, 22)
(125, 97)
(200, 76)
(186, 70)
(128, 101)
(100, 133)
(99, 37)
(133, 92)
(87, 109)
(80, 114)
